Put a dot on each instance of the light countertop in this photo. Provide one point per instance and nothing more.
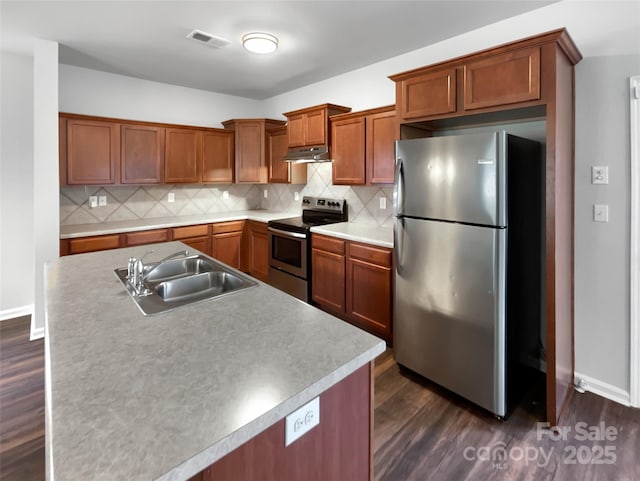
(368, 233)
(163, 397)
(82, 230)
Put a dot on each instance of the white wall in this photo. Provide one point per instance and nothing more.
(46, 183)
(16, 185)
(84, 91)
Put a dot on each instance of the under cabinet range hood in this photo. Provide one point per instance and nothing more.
(306, 155)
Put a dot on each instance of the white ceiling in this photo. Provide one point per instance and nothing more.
(318, 39)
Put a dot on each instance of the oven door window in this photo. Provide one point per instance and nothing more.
(289, 254)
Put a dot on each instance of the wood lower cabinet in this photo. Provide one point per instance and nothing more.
(328, 273)
(353, 281)
(258, 250)
(369, 291)
(363, 146)
(92, 152)
(96, 243)
(196, 236)
(338, 449)
(145, 237)
(141, 154)
(226, 242)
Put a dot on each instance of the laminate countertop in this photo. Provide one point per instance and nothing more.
(117, 227)
(163, 397)
(367, 233)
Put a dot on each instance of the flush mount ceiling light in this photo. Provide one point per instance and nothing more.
(259, 42)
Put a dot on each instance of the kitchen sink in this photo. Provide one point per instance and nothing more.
(174, 283)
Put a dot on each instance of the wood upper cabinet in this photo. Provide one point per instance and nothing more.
(141, 154)
(226, 242)
(217, 156)
(363, 146)
(92, 150)
(328, 273)
(430, 93)
(502, 79)
(310, 126)
(183, 154)
(369, 294)
(279, 171)
(251, 161)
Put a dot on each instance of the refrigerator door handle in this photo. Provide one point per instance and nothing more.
(398, 185)
(396, 244)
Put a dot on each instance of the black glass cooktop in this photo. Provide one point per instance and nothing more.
(301, 224)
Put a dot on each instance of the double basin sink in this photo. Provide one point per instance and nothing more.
(178, 282)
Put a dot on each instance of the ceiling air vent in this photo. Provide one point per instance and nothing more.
(208, 39)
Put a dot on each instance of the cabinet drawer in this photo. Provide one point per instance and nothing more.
(92, 244)
(146, 237)
(231, 226)
(367, 253)
(328, 244)
(190, 231)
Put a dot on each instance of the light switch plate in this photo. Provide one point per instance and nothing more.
(296, 196)
(383, 203)
(302, 421)
(102, 200)
(599, 174)
(601, 213)
(265, 193)
(93, 201)
(171, 197)
(225, 194)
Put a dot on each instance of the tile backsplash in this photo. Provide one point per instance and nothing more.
(146, 202)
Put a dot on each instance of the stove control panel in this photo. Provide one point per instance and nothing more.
(324, 204)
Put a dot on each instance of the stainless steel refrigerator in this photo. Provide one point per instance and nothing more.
(467, 231)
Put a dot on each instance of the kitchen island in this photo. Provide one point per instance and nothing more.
(164, 397)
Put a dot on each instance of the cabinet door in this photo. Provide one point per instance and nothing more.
(432, 93)
(226, 248)
(295, 128)
(369, 289)
(141, 154)
(328, 280)
(316, 127)
(251, 166)
(259, 264)
(93, 152)
(380, 147)
(217, 156)
(348, 144)
(203, 244)
(502, 79)
(277, 144)
(183, 156)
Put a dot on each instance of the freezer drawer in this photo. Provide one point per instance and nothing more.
(449, 310)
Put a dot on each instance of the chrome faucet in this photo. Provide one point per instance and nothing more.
(137, 275)
(184, 253)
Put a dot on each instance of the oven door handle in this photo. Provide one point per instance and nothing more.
(285, 233)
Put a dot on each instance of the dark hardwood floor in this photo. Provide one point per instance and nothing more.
(21, 403)
(422, 432)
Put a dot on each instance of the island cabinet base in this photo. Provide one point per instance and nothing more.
(338, 449)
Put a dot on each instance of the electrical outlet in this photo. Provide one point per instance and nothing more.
(171, 197)
(600, 174)
(102, 200)
(265, 193)
(302, 421)
(601, 213)
(296, 196)
(225, 194)
(93, 201)
(383, 203)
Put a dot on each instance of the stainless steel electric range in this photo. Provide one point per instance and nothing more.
(290, 246)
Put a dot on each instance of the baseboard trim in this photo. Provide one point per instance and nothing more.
(36, 333)
(604, 389)
(16, 312)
